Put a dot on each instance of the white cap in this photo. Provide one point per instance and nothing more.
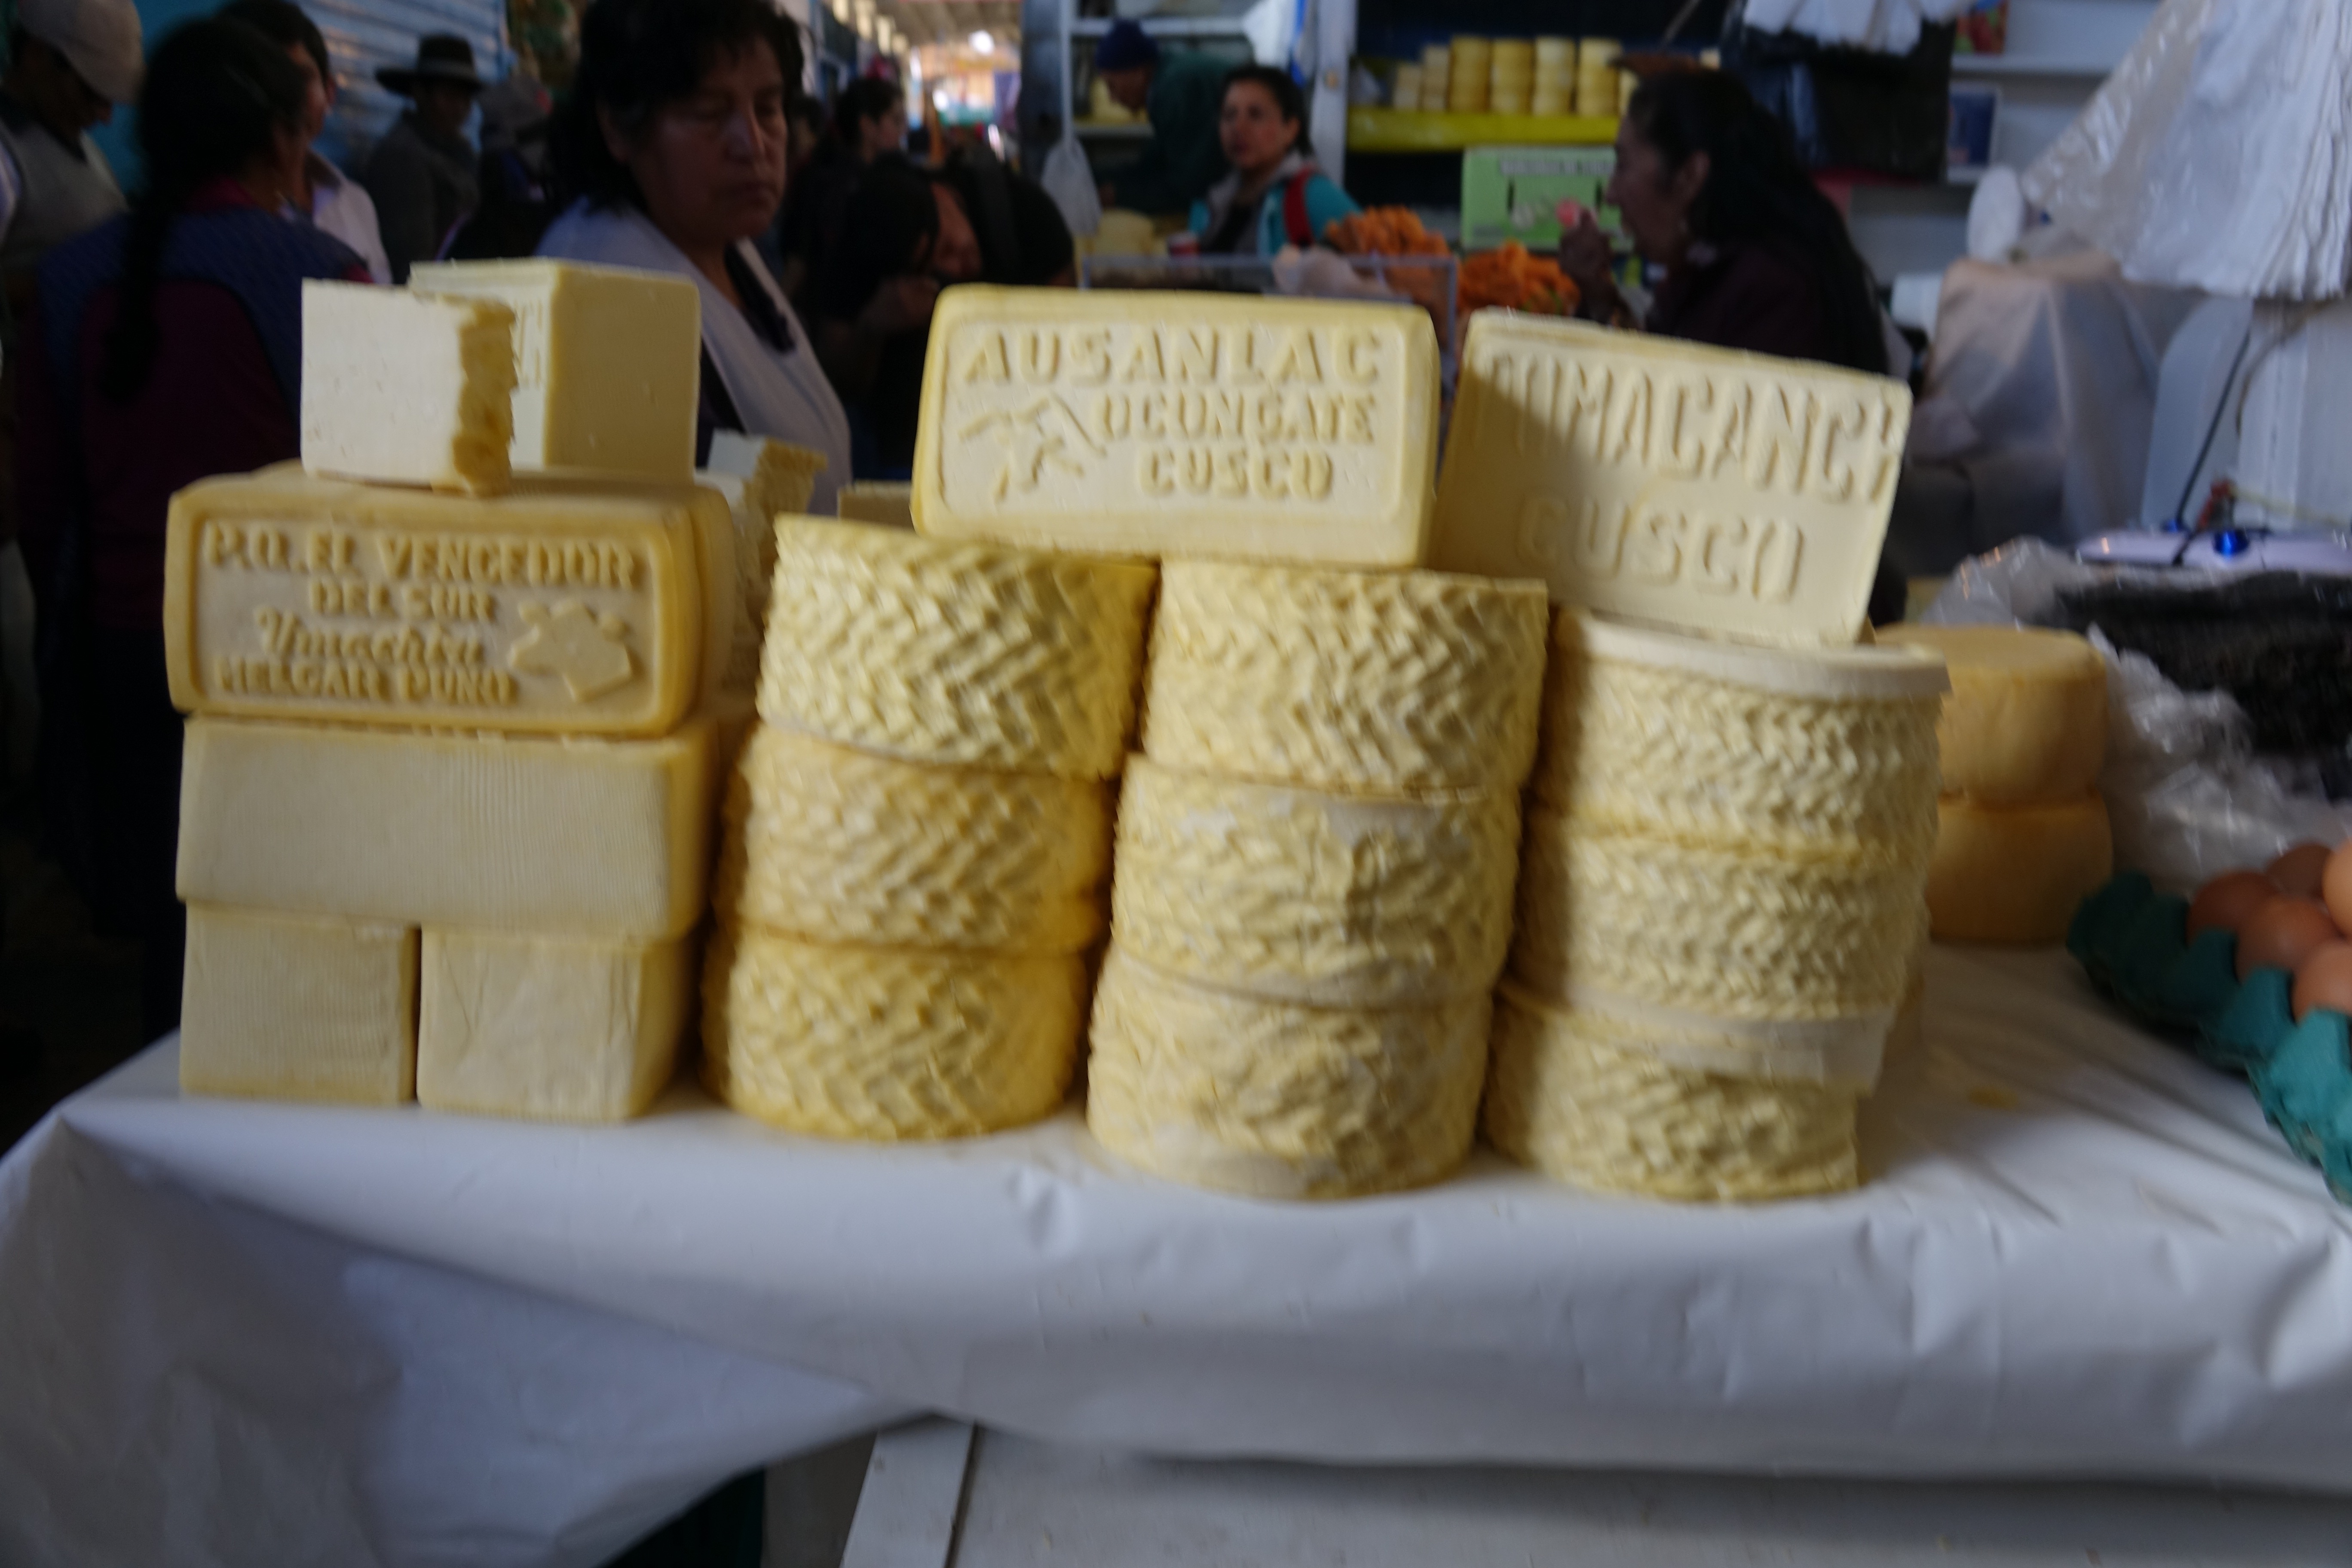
(99, 38)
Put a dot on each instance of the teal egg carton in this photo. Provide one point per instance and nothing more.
(2134, 944)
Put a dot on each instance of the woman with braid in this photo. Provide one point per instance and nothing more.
(168, 347)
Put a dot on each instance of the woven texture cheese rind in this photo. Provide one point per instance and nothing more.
(1377, 683)
(885, 1045)
(1337, 901)
(1575, 1096)
(1277, 1100)
(835, 845)
(960, 654)
(1725, 932)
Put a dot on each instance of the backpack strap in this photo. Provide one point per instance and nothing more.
(1294, 224)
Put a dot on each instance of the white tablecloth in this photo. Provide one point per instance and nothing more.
(241, 1332)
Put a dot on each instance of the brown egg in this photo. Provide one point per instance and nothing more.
(2228, 899)
(2325, 980)
(2282, 933)
(2335, 887)
(2297, 872)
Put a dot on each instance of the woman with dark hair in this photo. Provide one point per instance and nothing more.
(672, 147)
(1273, 195)
(869, 121)
(327, 196)
(168, 347)
(1755, 258)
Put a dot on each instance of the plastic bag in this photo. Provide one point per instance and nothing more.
(1069, 179)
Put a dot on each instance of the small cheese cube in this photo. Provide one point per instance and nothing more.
(1670, 482)
(298, 1007)
(601, 838)
(550, 1029)
(608, 363)
(404, 390)
(1154, 425)
(2016, 874)
(878, 501)
(784, 477)
(2027, 719)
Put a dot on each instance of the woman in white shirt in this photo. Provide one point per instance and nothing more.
(673, 143)
(334, 202)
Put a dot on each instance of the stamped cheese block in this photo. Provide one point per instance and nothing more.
(1150, 425)
(276, 1007)
(549, 610)
(550, 1029)
(884, 1045)
(962, 654)
(1339, 901)
(1276, 1099)
(2027, 723)
(2016, 874)
(1670, 482)
(877, 501)
(608, 363)
(1814, 752)
(401, 389)
(1381, 683)
(600, 838)
(834, 845)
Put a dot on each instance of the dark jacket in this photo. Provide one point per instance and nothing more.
(1750, 295)
(1184, 158)
(424, 186)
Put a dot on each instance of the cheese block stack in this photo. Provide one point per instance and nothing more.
(1312, 882)
(446, 794)
(917, 832)
(2025, 835)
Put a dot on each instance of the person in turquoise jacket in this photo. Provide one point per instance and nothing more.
(1273, 195)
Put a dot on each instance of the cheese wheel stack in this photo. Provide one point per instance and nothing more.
(1596, 76)
(1511, 76)
(916, 834)
(1471, 63)
(1312, 878)
(1554, 89)
(1719, 907)
(2025, 835)
(1406, 94)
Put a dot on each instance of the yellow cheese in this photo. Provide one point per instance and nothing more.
(294, 1008)
(1814, 752)
(608, 363)
(2027, 723)
(1337, 901)
(762, 481)
(870, 500)
(1372, 682)
(1151, 425)
(405, 390)
(2016, 874)
(602, 838)
(1580, 1096)
(542, 611)
(953, 652)
(550, 1029)
(782, 477)
(885, 1045)
(1687, 485)
(834, 845)
(1277, 1100)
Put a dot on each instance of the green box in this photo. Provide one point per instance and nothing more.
(1514, 192)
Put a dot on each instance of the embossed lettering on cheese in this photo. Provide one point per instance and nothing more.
(411, 615)
(1691, 486)
(1172, 424)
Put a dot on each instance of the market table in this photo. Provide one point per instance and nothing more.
(262, 1332)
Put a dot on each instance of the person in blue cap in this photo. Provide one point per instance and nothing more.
(1180, 94)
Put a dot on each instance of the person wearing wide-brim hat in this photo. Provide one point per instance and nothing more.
(422, 172)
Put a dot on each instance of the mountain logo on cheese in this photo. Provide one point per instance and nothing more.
(1033, 438)
(589, 651)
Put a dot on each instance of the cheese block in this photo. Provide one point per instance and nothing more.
(547, 610)
(1691, 486)
(550, 1029)
(1339, 901)
(1810, 752)
(960, 654)
(1734, 934)
(886, 1045)
(2016, 874)
(834, 845)
(602, 839)
(873, 500)
(1382, 683)
(1277, 1100)
(784, 477)
(278, 1007)
(762, 481)
(608, 363)
(2027, 723)
(405, 390)
(1178, 424)
(1577, 1096)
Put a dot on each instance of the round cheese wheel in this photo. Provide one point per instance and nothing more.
(2016, 875)
(2027, 722)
